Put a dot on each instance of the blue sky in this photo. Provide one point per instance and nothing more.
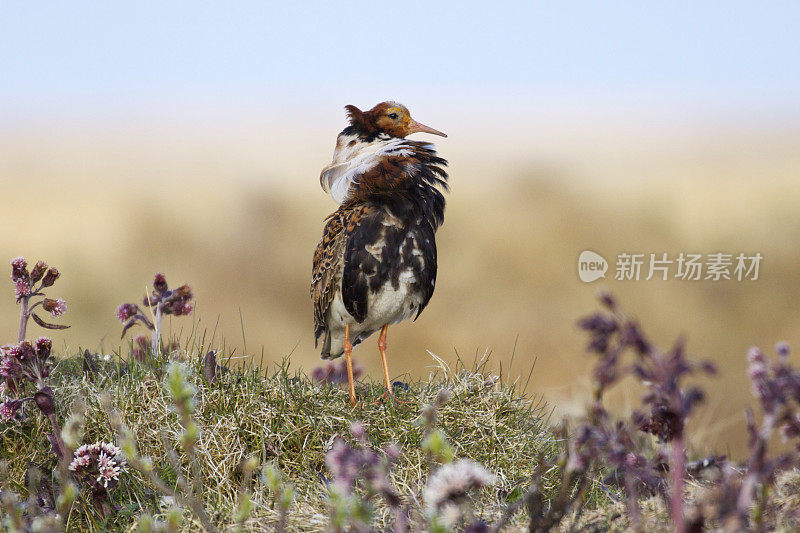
(111, 54)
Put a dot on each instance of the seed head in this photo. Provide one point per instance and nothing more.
(44, 401)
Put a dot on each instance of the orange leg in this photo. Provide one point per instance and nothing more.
(382, 348)
(348, 355)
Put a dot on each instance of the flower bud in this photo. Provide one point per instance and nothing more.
(51, 277)
(19, 269)
(38, 271)
(43, 347)
(184, 291)
(160, 283)
(44, 401)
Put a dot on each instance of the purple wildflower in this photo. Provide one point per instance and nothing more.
(141, 348)
(350, 464)
(9, 410)
(126, 311)
(9, 368)
(160, 283)
(181, 308)
(22, 351)
(18, 268)
(335, 373)
(43, 347)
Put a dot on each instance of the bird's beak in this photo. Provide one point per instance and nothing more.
(414, 127)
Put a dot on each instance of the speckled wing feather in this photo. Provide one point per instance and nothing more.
(328, 259)
(383, 248)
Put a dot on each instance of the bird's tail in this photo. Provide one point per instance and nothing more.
(326, 345)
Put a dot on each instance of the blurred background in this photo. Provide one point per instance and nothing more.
(188, 139)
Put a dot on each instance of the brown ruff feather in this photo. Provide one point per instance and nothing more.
(328, 259)
(361, 120)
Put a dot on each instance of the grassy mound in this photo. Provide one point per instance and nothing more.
(292, 422)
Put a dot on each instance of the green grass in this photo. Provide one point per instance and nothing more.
(284, 418)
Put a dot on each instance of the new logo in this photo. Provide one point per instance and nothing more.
(591, 266)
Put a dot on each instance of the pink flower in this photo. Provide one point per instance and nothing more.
(111, 450)
(8, 368)
(22, 288)
(108, 473)
(55, 307)
(125, 311)
(20, 351)
(43, 346)
(80, 461)
(61, 306)
(18, 269)
(99, 463)
(8, 410)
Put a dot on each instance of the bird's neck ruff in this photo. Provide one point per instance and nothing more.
(385, 169)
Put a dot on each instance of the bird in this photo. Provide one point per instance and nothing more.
(376, 263)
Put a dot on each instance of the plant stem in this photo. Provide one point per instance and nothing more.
(677, 470)
(156, 340)
(62, 447)
(23, 319)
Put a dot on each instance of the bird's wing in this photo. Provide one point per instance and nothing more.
(380, 248)
(328, 260)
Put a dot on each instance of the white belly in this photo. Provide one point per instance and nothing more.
(386, 306)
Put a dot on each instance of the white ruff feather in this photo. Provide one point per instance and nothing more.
(351, 162)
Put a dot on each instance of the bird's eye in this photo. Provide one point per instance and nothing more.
(393, 116)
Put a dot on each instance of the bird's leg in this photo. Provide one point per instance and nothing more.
(348, 355)
(382, 348)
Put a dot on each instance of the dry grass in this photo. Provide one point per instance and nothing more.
(290, 421)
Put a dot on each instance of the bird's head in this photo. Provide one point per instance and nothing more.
(387, 117)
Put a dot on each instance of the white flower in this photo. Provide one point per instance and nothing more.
(81, 461)
(452, 482)
(101, 458)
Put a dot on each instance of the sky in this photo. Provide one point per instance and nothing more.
(62, 56)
